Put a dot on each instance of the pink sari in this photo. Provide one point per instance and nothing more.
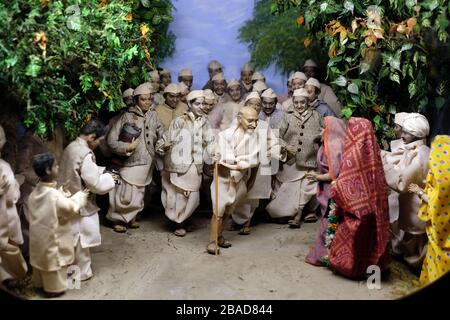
(329, 161)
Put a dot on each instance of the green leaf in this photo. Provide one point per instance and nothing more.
(349, 6)
(146, 3)
(395, 77)
(364, 67)
(11, 61)
(323, 6)
(406, 46)
(430, 4)
(378, 121)
(86, 82)
(34, 68)
(439, 102)
(353, 88)
(346, 112)
(392, 109)
(412, 89)
(410, 3)
(341, 81)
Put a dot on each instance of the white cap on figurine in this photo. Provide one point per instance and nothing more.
(301, 93)
(194, 94)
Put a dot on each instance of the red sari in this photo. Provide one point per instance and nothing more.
(361, 195)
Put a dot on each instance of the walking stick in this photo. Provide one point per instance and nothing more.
(216, 207)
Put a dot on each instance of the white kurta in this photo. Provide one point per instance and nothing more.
(87, 228)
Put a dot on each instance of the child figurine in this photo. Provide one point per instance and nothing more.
(187, 143)
(13, 267)
(51, 238)
(79, 171)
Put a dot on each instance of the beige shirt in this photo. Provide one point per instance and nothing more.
(192, 142)
(166, 114)
(78, 171)
(152, 131)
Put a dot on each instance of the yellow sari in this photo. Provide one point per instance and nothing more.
(436, 212)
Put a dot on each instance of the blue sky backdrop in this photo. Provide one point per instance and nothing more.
(208, 29)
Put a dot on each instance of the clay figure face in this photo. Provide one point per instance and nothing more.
(297, 84)
(144, 101)
(196, 106)
(128, 101)
(93, 142)
(208, 105)
(313, 94)
(166, 79)
(172, 99)
(155, 81)
(183, 96)
(300, 104)
(408, 137)
(246, 77)
(52, 173)
(248, 119)
(219, 87)
(235, 93)
(188, 80)
(289, 86)
(310, 72)
(213, 71)
(268, 105)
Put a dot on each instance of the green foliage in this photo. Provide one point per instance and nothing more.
(68, 59)
(276, 39)
(384, 55)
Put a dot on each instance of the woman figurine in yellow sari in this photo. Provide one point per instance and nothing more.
(435, 211)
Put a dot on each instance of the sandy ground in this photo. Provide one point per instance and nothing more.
(152, 263)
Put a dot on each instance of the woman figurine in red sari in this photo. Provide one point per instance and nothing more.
(357, 235)
(329, 159)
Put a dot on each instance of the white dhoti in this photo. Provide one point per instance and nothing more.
(180, 194)
(126, 200)
(230, 191)
(261, 189)
(12, 264)
(292, 192)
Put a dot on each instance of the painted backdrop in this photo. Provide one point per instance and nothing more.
(208, 29)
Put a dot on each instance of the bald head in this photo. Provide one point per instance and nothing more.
(247, 118)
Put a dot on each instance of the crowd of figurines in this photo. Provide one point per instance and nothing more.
(241, 146)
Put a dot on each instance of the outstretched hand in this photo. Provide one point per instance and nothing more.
(414, 188)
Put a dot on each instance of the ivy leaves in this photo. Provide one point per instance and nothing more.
(380, 53)
(68, 61)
